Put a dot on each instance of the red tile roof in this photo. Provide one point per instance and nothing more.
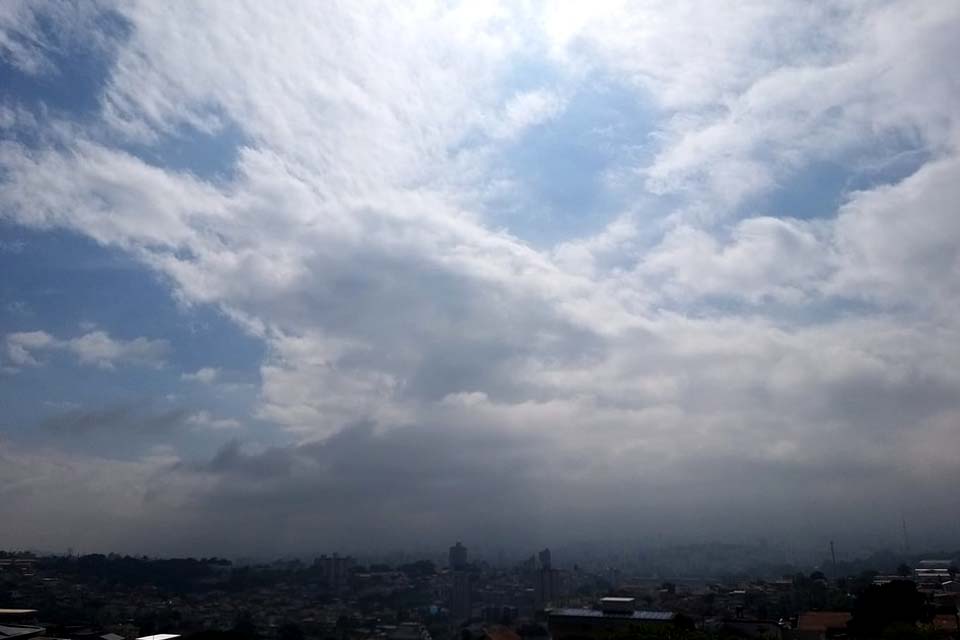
(945, 622)
(499, 632)
(823, 620)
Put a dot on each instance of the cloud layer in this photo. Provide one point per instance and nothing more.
(761, 327)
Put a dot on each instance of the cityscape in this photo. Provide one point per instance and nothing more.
(479, 319)
(459, 597)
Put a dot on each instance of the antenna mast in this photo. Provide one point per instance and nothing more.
(906, 540)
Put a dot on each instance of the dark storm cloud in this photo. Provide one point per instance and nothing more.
(405, 486)
(418, 486)
(230, 460)
(412, 467)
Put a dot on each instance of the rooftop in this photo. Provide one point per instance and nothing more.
(934, 564)
(823, 620)
(499, 632)
(18, 631)
(629, 615)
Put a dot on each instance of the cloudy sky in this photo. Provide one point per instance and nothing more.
(283, 277)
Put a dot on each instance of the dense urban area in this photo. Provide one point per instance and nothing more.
(457, 596)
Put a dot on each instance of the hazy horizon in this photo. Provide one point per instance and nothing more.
(287, 277)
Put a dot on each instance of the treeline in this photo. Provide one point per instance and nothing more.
(191, 574)
(175, 574)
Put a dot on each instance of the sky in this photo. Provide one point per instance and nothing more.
(294, 277)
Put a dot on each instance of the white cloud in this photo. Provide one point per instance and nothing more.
(765, 259)
(100, 193)
(752, 94)
(100, 349)
(900, 244)
(206, 375)
(20, 345)
(525, 110)
(94, 348)
(207, 420)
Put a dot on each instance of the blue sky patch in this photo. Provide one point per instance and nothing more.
(560, 167)
(67, 286)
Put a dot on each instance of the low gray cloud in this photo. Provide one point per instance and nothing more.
(419, 486)
(134, 418)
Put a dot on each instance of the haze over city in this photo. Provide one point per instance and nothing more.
(280, 277)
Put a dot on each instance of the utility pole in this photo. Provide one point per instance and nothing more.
(833, 556)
